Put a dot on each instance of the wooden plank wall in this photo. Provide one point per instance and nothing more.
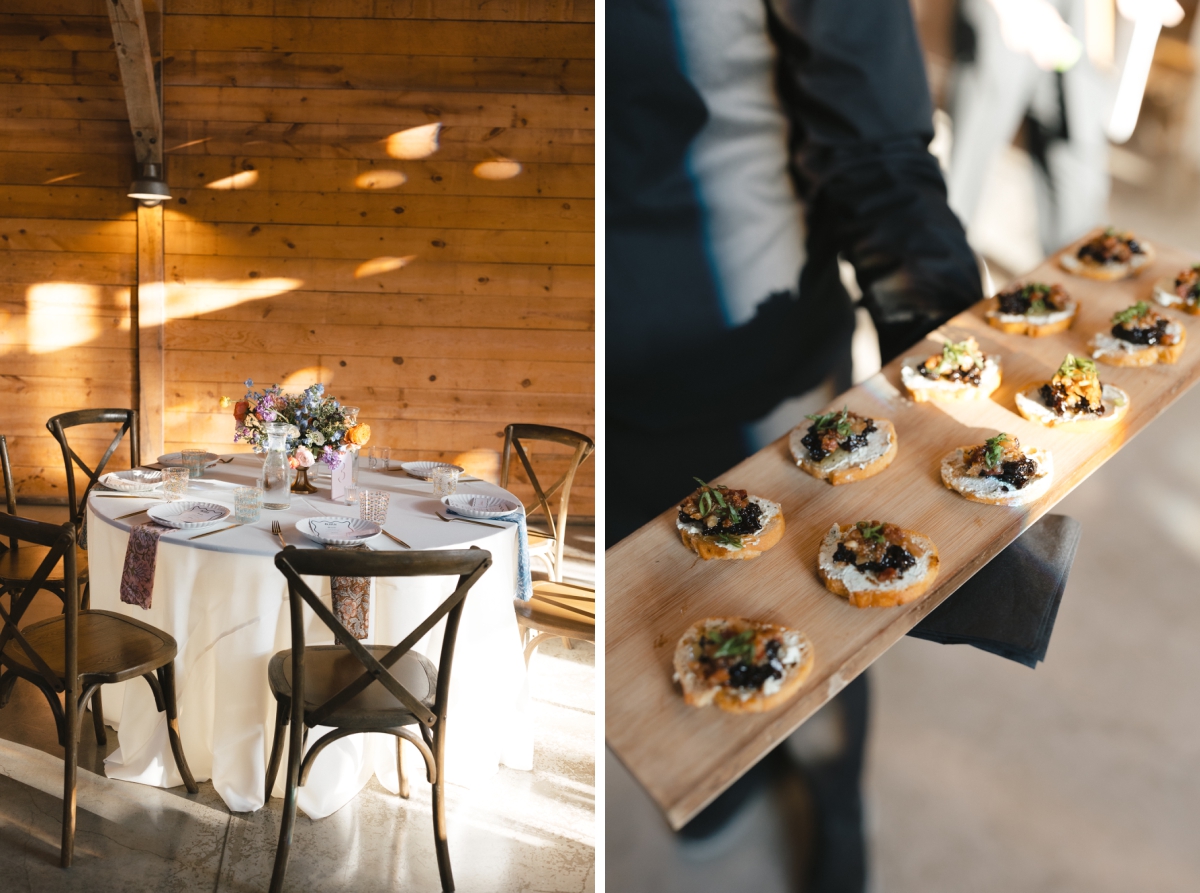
(299, 246)
(67, 231)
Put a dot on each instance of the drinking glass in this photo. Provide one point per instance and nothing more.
(373, 505)
(445, 481)
(193, 460)
(247, 504)
(380, 458)
(175, 483)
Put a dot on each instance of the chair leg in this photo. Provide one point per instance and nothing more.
(567, 642)
(282, 709)
(70, 759)
(98, 719)
(167, 681)
(404, 789)
(288, 820)
(439, 808)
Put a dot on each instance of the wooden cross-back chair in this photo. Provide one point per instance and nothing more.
(20, 562)
(58, 425)
(355, 688)
(71, 655)
(550, 547)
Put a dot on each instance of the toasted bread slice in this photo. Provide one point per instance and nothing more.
(842, 467)
(1034, 326)
(1165, 294)
(924, 390)
(1116, 352)
(796, 657)
(1072, 263)
(861, 588)
(1115, 401)
(752, 545)
(992, 491)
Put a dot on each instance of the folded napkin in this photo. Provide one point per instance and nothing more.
(352, 600)
(1008, 608)
(141, 555)
(524, 577)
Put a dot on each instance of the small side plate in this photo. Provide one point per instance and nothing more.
(473, 506)
(331, 530)
(188, 514)
(136, 480)
(176, 459)
(424, 470)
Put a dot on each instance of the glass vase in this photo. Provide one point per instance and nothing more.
(277, 476)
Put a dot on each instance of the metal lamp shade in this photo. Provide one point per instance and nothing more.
(149, 188)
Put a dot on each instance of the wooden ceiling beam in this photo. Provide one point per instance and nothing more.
(135, 57)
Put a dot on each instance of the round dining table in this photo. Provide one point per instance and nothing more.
(226, 604)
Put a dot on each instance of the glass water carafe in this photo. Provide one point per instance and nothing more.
(277, 474)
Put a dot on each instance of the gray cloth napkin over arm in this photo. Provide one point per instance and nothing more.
(1008, 607)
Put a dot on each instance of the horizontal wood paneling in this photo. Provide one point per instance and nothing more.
(489, 321)
(445, 10)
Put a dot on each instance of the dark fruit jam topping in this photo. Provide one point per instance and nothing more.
(1055, 396)
(1154, 334)
(820, 443)
(970, 376)
(742, 673)
(1017, 473)
(1034, 297)
(894, 558)
(749, 521)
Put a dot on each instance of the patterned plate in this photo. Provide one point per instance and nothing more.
(424, 470)
(176, 459)
(188, 514)
(470, 506)
(136, 480)
(330, 530)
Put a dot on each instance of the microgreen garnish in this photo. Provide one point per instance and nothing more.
(872, 533)
(1037, 307)
(741, 645)
(710, 494)
(836, 420)
(728, 539)
(994, 449)
(1072, 363)
(1138, 310)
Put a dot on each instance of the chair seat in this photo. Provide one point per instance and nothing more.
(330, 668)
(112, 647)
(561, 609)
(20, 564)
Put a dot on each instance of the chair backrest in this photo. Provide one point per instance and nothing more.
(58, 425)
(468, 564)
(61, 540)
(583, 445)
(10, 490)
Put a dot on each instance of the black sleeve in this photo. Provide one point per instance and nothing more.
(852, 79)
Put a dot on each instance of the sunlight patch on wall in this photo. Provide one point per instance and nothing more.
(61, 179)
(380, 179)
(309, 375)
(497, 169)
(415, 142)
(189, 299)
(244, 180)
(59, 315)
(377, 265)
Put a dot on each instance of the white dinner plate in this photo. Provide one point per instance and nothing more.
(136, 480)
(188, 514)
(470, 506)
(176, 459)
(424, 470)
(331, 530)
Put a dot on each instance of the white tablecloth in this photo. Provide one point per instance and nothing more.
(225, 603)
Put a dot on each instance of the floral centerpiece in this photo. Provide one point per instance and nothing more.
(323, 430)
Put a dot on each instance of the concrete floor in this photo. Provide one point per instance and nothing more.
(984, 776)
(521, 831)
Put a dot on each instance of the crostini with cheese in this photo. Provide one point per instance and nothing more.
(1140, 336)
(1075, 398)
(960, 372)
(999, 471)
(843, 446)
(1182, 292)
(718, 522)
(1108, 255)
(1034, 309)
(874, 564)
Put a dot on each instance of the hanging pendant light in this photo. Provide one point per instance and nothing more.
(150, 188)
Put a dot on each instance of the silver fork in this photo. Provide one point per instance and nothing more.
(277, 529)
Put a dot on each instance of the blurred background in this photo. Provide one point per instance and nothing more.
(982, 775)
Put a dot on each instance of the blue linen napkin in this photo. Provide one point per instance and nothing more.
(524, 577)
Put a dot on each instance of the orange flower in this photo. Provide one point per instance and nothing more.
(359, 434)
(240, 409)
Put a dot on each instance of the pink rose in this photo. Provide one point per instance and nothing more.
(304, 457)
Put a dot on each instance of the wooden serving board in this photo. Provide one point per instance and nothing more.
(656, 588)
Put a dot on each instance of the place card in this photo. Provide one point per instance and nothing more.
(341, 479)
